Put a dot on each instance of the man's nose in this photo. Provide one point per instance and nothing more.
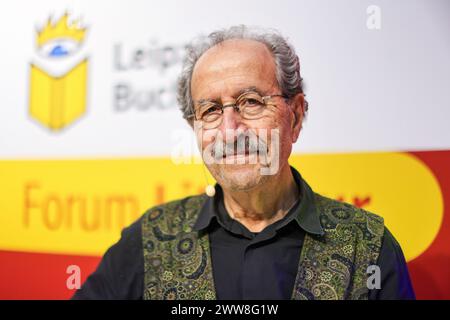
(231, 119)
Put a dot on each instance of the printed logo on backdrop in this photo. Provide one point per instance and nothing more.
(58, 74)
(145, 75)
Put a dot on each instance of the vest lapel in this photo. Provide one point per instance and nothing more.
(334, 266)
(322, 273)
(177, 259)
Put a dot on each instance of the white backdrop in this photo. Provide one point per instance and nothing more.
(369, 90)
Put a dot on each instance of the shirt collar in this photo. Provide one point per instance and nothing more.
(207, 212)
(307, 216)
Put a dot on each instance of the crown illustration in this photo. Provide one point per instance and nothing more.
(61, 29)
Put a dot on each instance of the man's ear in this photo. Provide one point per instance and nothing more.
(298, 107)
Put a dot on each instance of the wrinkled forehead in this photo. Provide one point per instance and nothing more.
(233, 65)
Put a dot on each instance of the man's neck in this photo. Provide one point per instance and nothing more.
(265, 204)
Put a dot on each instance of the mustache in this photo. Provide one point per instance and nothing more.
(243, 144)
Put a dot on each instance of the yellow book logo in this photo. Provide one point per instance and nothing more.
(58, 79)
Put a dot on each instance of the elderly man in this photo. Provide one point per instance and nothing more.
(262, 233)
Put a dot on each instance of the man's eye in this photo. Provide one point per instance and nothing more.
(252, 102)
(211, 110)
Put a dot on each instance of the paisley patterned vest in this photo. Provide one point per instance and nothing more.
(177, 259)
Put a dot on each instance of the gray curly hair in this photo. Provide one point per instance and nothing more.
(286, 61)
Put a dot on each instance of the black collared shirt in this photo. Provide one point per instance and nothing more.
(245, 265)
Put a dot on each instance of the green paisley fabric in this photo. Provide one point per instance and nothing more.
(177, 259)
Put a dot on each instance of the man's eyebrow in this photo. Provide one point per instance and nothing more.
(237, 95)
(248, 89)
(203, 101)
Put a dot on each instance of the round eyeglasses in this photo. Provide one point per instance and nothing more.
(250, 105)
